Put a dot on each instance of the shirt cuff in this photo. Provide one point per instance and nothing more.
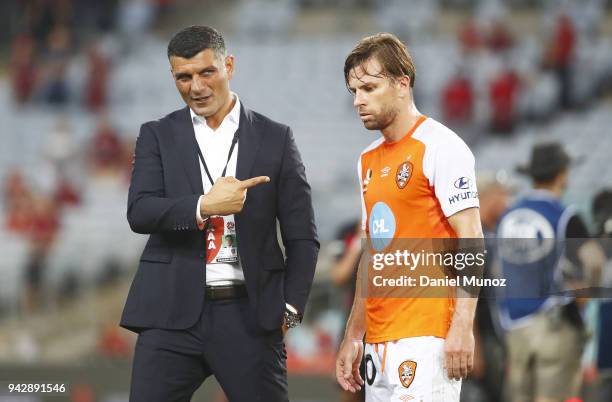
(291, 308)
(199, 220)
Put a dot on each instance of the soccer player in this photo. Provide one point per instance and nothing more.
(417, 181)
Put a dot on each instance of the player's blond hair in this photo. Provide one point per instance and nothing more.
(390, 52)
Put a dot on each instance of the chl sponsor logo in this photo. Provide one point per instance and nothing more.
(462, 196)
(381, 225)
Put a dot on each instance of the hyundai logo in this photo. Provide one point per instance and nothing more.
(463, 183)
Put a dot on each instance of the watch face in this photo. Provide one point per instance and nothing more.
(292, 320)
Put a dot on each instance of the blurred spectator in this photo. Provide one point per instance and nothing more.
(55, 85)
(18, 202)
(486, 381)
(45, 223)
(602, 217)
(105, 150)
(60, 148)
(344, 271)
(44, 227)
(23, 67)
(602, 213)
(66, 194)
(503, 96)
(61, 153)
(499, 38)
(35, 219)
(535, 233)
(561, 53)
(41, 16)
(470, 37)
(15, 187)
(344, 275)
(458, 100)
(96, 85)
(494, 194)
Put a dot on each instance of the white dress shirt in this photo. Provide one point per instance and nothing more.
(215, 146)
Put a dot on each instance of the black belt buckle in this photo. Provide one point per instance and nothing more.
(225, 292)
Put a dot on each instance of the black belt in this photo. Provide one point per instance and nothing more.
(225, 292)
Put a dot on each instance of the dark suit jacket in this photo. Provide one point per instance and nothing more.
(168, 289)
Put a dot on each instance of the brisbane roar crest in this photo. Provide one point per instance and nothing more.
(407, 371)
(403, 175)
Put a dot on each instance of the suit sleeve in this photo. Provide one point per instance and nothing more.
(297, 224)
(149, 210)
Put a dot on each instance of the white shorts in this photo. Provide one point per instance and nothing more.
(409, 369)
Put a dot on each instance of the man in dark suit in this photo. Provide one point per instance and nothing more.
(203, 306)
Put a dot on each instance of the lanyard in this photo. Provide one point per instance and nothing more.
(229, 155)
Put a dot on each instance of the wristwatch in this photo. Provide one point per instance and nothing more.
(292, 319)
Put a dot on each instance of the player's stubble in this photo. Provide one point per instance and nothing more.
(383, 119)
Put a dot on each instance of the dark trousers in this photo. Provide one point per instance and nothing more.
(248, 362)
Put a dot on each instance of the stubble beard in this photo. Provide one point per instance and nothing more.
(383, 119)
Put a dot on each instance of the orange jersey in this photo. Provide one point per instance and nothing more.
(409, 189)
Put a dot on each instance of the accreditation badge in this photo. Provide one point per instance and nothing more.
(221, 246)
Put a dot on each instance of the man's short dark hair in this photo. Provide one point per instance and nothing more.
(192, 40)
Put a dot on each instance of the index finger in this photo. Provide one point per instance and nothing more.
(463, 366)
(254, 181)
(448, 365)
(456, 367)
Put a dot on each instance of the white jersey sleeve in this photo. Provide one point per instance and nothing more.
(455, 178)
(363, 184)
(450, 167)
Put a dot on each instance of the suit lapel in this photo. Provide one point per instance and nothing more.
(248, 144)
(249, 141)
(187, 149)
